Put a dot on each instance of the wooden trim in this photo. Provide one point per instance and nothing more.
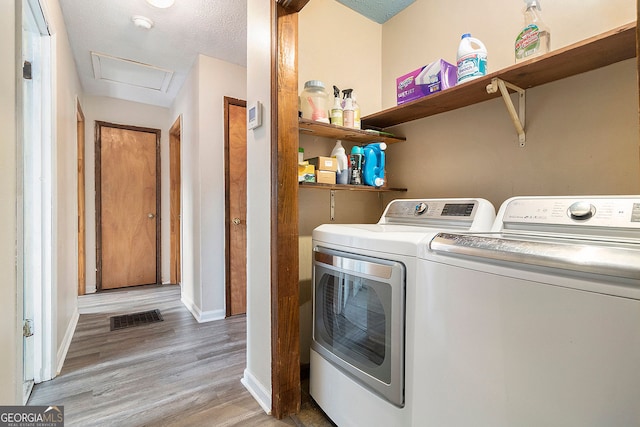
(293, 5)
(285, 329)
(98, 170)
(227, 213)
(175, 179)
(82, 221)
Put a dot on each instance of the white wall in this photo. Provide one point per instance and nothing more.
(11, 356)
(201, 105)
(257, 375)
(112, 110)
(66, 91)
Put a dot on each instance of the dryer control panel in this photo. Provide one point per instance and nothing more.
(622, 212)
(463, 213)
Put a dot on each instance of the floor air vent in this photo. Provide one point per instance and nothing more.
(135, 319)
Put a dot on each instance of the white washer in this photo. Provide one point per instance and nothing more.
(536, 323)
(364, 304)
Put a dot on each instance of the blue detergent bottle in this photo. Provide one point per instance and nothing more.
(373, 168)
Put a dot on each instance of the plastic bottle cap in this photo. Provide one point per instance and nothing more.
(314, 83)
(465, 35)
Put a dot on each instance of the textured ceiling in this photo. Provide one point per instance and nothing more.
(216, 28)
(379, 11)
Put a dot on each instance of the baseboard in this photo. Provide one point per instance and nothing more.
(201, 316)
(257, 390)
(66, 341)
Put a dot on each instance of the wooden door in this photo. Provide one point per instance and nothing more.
(236, 205)
(127, 205)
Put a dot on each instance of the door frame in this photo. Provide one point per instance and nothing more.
(227, 209)
(175, 202)
(82, 241)
(98, 184)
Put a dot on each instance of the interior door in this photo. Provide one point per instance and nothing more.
(127, 205)
(236, 201)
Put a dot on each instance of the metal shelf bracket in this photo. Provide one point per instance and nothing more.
(518, 118)
(332, 205)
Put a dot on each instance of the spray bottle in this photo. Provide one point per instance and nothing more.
(348, 112)
(337, 117)
(356, 112)
(535, 37)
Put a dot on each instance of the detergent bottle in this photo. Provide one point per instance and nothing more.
(373, 168)
(355, 165)
(472, 59)
(342, 174)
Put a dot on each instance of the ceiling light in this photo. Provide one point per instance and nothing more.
(142, 22)
(162, 4)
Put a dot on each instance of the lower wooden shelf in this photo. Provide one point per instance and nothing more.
(348, 187)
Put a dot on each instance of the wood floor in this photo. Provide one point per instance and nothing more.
(173, 373)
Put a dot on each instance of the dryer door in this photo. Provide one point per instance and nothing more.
(359, 318)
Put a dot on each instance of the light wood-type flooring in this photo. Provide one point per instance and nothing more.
(173, 373)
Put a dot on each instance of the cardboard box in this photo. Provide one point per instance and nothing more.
(432, 78)
(306, 172)
(324, 163)
(325, 177)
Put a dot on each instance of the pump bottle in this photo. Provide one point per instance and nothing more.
(535, 37)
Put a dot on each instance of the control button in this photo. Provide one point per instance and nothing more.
(420, 209)
(581, 210)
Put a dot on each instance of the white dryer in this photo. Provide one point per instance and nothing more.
(364, 302)
(536, 323)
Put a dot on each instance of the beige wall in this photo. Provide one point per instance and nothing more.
(11, 356)
(429, 30)
(582, 132)
(340, 47)
(582, 135)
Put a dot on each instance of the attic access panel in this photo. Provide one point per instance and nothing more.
(119, 70)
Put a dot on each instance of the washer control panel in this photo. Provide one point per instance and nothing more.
(616, 212)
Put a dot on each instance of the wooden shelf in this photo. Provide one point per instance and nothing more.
(310, 127)
(348, 187)
(590, 54)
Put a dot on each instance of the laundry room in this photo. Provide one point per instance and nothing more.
(579, 135)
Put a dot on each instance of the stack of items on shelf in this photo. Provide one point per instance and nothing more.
(364, 166)
(314, 105)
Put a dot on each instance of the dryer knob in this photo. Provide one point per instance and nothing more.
(420, 208)
(581, 210)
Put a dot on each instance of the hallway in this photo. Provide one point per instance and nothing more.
(177, 372)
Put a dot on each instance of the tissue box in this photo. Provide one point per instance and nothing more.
(324, 163)
(432, 78)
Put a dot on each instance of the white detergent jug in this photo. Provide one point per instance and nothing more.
(472, 59)
(342, 175)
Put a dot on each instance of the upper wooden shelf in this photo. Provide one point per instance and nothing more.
(590, 54)
(311, 127)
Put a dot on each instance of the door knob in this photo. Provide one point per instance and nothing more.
(151, 215)
(236, 221)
